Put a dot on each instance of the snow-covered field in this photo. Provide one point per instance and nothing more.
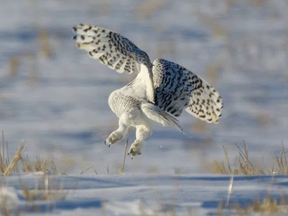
(54, 97)
(146, 194)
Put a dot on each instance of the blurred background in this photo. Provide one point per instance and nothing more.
(54, 96)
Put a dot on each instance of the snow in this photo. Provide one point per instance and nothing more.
(151, 194)
(58, 103)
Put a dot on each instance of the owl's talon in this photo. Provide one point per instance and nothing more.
(113, 138)
(135, 148)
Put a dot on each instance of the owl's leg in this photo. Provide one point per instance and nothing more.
(120, 133)
(142, 132)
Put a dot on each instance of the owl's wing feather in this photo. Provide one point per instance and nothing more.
(160, 116)
(110, 48)
(177, 88)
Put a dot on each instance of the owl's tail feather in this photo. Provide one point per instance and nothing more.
(160, 116)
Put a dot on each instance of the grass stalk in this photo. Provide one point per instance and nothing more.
(15, 160)
(121, 171)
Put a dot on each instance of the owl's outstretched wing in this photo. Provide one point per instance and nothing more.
(177, 88)
(110, 48)
(115, 51)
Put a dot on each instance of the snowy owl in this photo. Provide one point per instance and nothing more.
(159, 93)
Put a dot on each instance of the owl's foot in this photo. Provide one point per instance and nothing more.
(135, 148)
(113, 138)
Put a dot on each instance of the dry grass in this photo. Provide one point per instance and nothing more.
(213, 71)
(7, 166)
(122, 169)
(102, 8)
(13, 164)
(44, 165)
(20, 164)
(214, 25)
(43, 38)
(45, 190)
(33, 71)
(244, 166)
(7, 203)
(264, 120)
(152, 169)
(199, 126)
(107, 168)
(147, 8)
(268, 205)
(85, 170)
(282, 162)
(14, 62)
